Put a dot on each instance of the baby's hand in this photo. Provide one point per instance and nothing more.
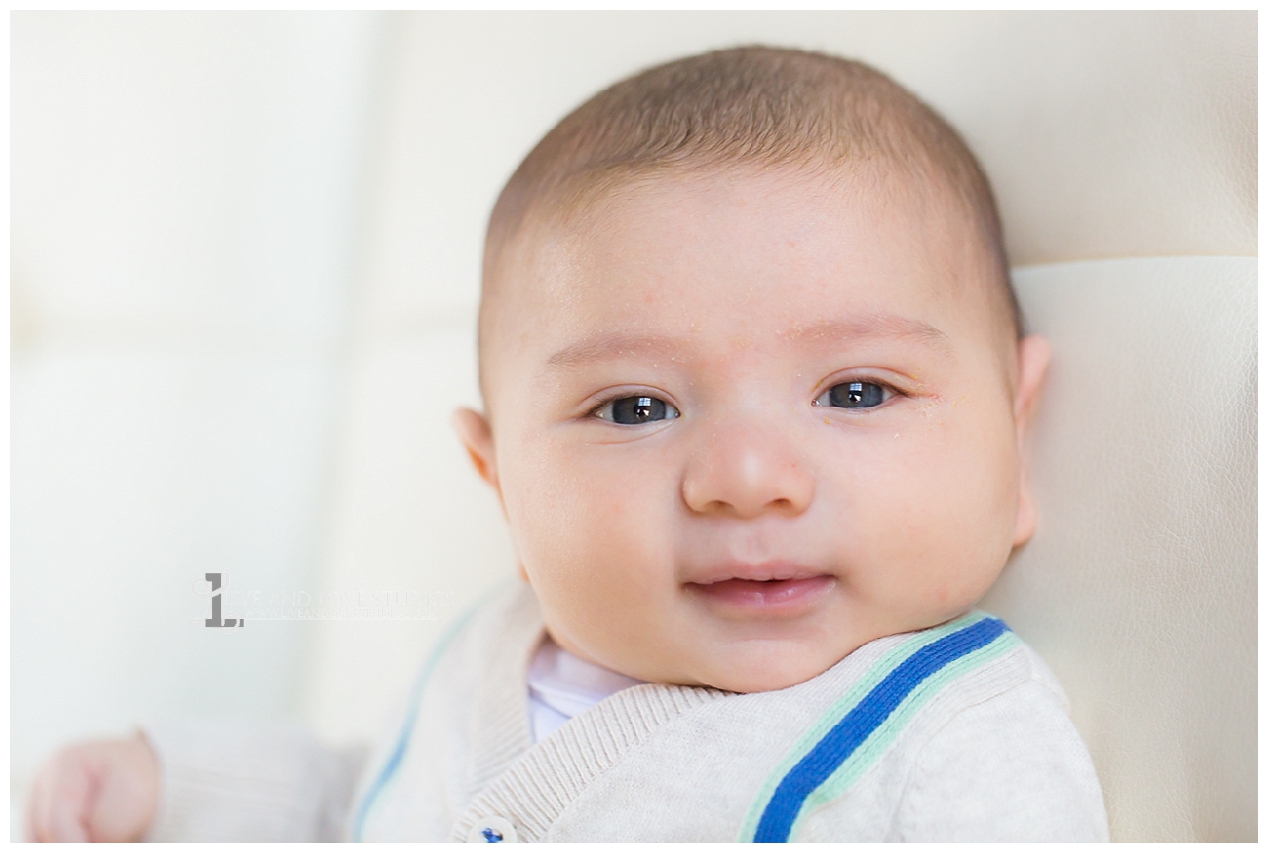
(105, 790)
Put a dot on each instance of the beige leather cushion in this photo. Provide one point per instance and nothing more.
(1139, 587)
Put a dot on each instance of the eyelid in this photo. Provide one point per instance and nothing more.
(891, 387)
(900, 384)
(606, 400)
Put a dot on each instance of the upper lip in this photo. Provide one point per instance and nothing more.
(770, 571)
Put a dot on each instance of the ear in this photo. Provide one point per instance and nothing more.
(477, 437)
(1033, 354)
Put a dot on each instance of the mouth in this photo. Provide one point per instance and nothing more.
(774, 589)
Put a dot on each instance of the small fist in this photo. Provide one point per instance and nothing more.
(105, 790)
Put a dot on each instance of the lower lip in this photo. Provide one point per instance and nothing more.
(774, 597)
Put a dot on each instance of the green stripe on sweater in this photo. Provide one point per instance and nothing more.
(871, 750)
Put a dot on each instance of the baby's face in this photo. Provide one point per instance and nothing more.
(742, 425)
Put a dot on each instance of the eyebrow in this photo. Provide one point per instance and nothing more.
(875, 326)
(612, 345)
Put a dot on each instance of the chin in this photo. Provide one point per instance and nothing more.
(769, 670)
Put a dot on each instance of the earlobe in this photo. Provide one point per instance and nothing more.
(1033, 355)
(1027, 517)
(477, 437)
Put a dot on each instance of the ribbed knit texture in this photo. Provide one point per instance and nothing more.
(244, 782)
(501, 731)
(540, 786)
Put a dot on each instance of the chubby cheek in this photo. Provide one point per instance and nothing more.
(936, 504)
(589, 527)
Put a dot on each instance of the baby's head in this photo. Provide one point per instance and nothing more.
(753, 371)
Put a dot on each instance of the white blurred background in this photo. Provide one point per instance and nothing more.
(244, 272)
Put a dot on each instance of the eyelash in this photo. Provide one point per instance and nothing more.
(863, 380)
(617, 396)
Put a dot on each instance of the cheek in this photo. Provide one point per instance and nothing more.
(580, 510)
(934, 501)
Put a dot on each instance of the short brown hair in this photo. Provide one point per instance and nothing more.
(745, 106)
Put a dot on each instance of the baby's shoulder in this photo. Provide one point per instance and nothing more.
(967, 738)
(1011, 767)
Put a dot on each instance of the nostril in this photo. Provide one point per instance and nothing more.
(747, 478)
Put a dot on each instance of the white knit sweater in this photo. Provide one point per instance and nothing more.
(957, 733)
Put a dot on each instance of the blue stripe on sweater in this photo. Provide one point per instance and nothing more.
(393, 763)
(855, 727)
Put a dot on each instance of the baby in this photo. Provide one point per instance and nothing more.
(755, 388)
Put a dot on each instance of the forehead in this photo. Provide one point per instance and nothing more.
(746, 258)
(751, 249)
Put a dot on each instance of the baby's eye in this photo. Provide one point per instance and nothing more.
(636, 410)
(854, 395)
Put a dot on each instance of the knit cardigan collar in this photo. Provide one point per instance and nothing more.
(506, 765)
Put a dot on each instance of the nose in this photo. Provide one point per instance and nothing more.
(745, 470)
